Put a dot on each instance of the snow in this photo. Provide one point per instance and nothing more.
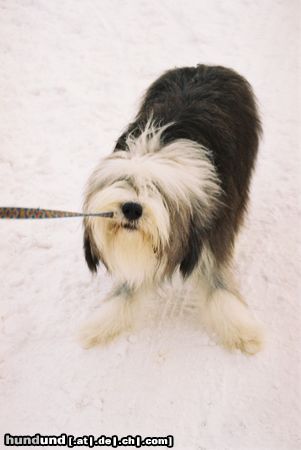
(71, 77)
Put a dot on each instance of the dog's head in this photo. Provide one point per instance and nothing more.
(162, 196)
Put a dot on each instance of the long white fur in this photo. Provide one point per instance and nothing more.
(117, 314)
(182, 167)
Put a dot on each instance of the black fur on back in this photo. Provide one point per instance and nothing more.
(215, 107)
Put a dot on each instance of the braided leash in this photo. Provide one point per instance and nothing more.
(37, 213)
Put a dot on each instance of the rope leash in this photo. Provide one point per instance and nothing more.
(37, 213)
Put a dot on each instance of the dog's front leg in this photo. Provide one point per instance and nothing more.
(115, 316)
(226, 316)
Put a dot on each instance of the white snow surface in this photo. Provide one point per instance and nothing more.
(72, 74)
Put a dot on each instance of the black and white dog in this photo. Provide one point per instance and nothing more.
(177, 182)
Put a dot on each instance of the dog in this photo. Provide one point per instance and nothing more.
(178, 183)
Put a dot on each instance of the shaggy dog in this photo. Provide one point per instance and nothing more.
(177, 183)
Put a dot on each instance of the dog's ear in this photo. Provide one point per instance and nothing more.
(91, 252)
(193, 249)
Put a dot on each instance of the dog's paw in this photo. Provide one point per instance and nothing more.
(248, 338)
(93, 334)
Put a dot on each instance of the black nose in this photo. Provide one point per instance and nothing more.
(131, 210)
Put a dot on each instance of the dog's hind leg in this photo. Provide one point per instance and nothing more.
(116, 315)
